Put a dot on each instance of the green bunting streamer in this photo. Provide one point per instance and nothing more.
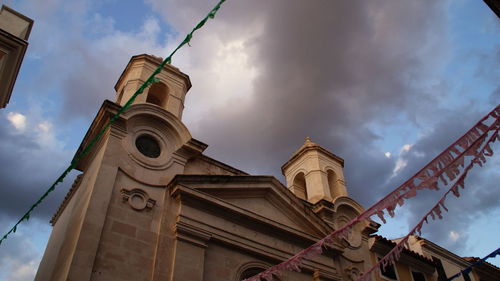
(152, 79)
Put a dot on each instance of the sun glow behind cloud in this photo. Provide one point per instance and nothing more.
(17, 120)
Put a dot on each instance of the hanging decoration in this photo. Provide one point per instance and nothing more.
(435, 212)
(468, 269)
(443, 168)
(152, 79)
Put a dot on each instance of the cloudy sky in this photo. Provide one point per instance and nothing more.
(384, 84)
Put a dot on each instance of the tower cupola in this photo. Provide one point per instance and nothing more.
(314, 173)
(169, 93)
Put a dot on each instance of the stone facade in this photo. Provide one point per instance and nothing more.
(149, 205)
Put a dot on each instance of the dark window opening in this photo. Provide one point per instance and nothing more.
(250, 272)
(148, 146)
(332, 184)
(389, 272)
(418, 276)
(157, 94)
(299, 186)
(440, 269)
(466, 276)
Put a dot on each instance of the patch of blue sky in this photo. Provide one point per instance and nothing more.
(396, 227)
(473, 31)
(73, 134)
(22, 88)
(394, 135)
(127, 16)
(483, 240)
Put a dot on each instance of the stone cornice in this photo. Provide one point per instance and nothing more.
(157, 61)
(299, 206)
(107, 110)
(306, 148)
(222, 165)
(15, 48)
(192, 234)
(67, 198)
(268, 252)
(192, 196)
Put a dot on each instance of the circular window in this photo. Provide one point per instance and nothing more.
(148, 146)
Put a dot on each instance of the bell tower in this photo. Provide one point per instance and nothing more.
(109, 224)
(169, 93)
(314, 174)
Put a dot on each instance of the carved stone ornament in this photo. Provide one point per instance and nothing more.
(353, 273)
(138, 199)
(354, 238)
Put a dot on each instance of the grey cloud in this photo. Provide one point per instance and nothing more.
(327, 69)
(28, 169)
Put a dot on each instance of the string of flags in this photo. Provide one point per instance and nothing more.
(436, 212)
(445, 167)
(151, 79)
(468, 269)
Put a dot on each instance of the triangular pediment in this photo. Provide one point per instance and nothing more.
(264, 197)
(264, 206)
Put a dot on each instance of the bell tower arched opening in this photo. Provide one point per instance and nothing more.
(158, 94)
(323, 172)
(169, 92)
(332, 184)
(299, 186)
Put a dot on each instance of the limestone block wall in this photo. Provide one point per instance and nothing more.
(128, 242)
(58, 256)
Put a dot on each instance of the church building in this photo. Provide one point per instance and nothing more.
(150, 206)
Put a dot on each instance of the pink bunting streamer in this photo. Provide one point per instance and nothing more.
(445, 163)
(395, 253)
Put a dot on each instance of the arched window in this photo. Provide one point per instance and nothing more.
(299, 186)
(157, 94)
(332, 184)
(252, 271)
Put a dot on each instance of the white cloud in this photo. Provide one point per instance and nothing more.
(17, 120)
(222, 81)
(454, 235)
(23, 272)
(388, 154)
(401, 162)
(44, 126)
(406, 147)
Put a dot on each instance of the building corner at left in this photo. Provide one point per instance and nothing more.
(15, 30)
